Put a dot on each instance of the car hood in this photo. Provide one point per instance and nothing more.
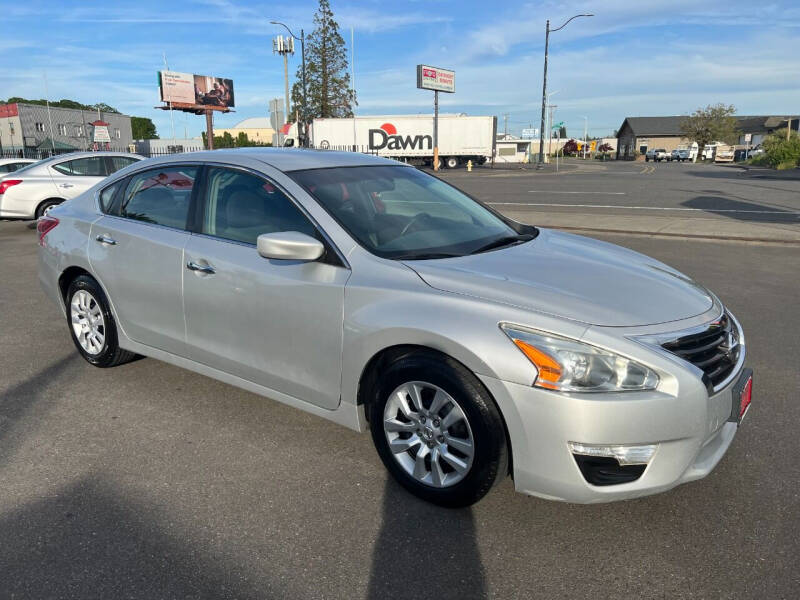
(572, 277)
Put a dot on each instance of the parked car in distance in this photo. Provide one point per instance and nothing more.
(710, 150)
(9, 165)
(657, 155)
(372, 294)
(724, 153)
(680, 155)
(32, 191)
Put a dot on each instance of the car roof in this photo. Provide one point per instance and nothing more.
(5, 161)
(74, 155)
(284, 159)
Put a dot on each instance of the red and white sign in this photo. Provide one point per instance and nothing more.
(434, 78)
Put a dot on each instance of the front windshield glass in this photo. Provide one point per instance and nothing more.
(402, 213)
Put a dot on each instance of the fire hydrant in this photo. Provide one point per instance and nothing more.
(469, 166)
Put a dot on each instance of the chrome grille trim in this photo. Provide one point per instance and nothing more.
(707, 348)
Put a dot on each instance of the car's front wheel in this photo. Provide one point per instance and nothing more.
(437, 430)
(91, 324)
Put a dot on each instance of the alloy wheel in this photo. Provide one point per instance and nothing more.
(428, 434)
(88, 322)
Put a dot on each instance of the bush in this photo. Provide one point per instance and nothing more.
(759, 160)
(780, 152)
(571, 147)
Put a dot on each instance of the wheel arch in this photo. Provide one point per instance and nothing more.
(370, 375)
(46, 200)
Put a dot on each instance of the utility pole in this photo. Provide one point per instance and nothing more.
(302, 39)
(585, 133)
(505, 125)
(544, 80)
(284, 46)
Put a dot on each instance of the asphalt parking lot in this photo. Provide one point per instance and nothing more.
(148, 481)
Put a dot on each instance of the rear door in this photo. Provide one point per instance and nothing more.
(73, 177)
(136, 250)
(277, 323)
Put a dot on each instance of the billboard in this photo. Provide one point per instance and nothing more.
(198, 90)
(434, 78)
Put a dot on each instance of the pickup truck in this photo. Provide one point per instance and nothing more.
(657, 155)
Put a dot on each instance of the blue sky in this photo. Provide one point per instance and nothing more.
(632, 58)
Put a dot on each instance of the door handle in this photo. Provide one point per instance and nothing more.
(66, 185)
(207, 269)
(104, 239)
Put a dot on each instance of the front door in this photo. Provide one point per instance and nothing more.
(277, 323)
(81, 174)
(137, 253)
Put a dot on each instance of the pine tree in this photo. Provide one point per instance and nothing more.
(327, 79)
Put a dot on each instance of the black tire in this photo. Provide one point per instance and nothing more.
(433, 164)
(45, 206)
(110, 355)
(491, 453)
(646, 159)
(451, 162)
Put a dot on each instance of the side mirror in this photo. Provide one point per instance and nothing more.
(289, 245)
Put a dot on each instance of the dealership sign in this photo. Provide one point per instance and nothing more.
(434, 78)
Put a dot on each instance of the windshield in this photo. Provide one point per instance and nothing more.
(402, 213)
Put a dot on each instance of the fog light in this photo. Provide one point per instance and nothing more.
(625, 455)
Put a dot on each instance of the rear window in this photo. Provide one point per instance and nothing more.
(160, 196)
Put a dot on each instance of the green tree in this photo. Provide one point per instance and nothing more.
(327, 79)
(782, 153)
(143, 129)
(714, 122)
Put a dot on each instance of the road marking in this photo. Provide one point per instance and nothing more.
(711, 210)
(562, 192)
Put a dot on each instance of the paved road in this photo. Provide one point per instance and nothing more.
(673, 198)
(147, 481)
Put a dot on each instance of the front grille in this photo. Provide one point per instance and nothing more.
(715, 350)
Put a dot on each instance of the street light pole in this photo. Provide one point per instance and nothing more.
(544, 82)
(302, 39)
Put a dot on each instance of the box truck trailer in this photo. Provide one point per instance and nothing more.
(406, 137)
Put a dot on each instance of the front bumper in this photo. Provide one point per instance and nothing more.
(691, 428)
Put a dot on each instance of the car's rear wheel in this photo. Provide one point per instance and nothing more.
(437, 430)
(45, 207)
(91, 324)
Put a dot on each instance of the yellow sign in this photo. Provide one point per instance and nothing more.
(593, 145)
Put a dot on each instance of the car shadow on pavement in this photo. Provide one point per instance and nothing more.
(91, 541)
(424, 551)
(742, 211)
(743, 173)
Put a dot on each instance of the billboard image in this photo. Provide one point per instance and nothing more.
(434, 78)
(198, 90)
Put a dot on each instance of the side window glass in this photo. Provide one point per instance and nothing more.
(240, 207)
(120, 162)
(160, 196)
(107, 196)
(64, 168)
(93, 166)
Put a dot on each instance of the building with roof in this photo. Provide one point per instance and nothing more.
(258, 129)
(31, 129)
(637, 134)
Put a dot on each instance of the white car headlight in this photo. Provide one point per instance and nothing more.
(567, 365)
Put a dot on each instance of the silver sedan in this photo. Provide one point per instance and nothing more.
(374, 295)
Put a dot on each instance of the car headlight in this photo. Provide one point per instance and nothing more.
(567, 365)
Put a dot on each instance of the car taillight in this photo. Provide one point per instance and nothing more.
(7, 183)
(44, 225)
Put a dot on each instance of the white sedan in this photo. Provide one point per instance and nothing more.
(32, 191)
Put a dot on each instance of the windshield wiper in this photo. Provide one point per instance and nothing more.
(424, 256)
(506, 240)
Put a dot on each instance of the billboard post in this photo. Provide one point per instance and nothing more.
(438, 80)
